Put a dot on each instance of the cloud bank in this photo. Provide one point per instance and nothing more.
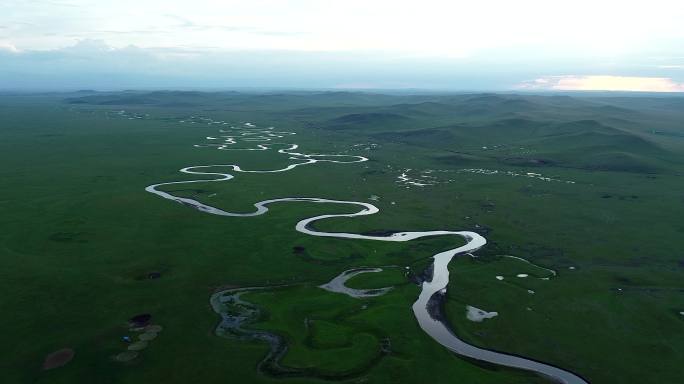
(603, 83)
(95, 64)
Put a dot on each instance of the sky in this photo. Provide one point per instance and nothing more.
(524, 45)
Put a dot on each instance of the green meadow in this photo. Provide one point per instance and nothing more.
(590, 186)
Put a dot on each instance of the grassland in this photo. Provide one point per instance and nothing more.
(79, 235)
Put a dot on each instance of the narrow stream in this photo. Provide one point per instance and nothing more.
(428, 307)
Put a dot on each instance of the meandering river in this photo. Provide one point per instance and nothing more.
(427, 309)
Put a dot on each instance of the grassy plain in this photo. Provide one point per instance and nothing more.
(79, 235)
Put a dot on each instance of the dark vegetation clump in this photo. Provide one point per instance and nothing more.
(140, 320)
(154, 275)
(58, 358)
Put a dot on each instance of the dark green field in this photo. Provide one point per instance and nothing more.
(589, 185)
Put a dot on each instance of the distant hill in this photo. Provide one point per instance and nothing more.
(367, 121)
(626, 134)
(157, 98)
(240, 100)
(585, 144)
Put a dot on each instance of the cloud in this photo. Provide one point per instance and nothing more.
(8, 47)
(185, 23)
(95, 64)
(603, 83)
